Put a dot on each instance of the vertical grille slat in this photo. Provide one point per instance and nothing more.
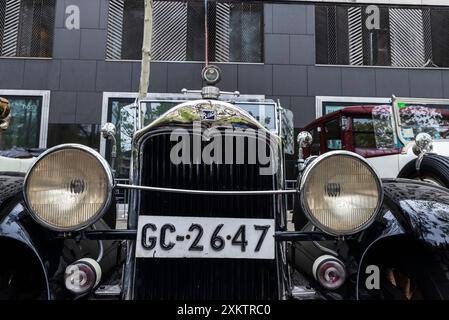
(202, 278)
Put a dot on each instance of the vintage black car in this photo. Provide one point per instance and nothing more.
(207, 216)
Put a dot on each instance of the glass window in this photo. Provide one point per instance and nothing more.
(122, 115)
(363, 133)
(151, 110)
(264, 113)
(85, 134)
(333, 135)
(235, 31)
(432, 119)
(403, 36)
(26, 28)
(24, 129)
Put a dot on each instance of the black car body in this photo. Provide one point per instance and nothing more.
(167, 198)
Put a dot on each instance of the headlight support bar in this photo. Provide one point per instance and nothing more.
(207, 192)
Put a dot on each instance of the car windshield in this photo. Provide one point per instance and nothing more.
(417, 118)
(264, 113)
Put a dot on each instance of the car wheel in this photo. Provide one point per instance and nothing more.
(408, 278)
(434, 169)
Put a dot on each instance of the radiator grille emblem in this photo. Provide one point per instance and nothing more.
(208, 115)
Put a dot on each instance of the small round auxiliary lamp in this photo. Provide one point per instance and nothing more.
(211, 74)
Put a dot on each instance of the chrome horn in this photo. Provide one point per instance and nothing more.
(423, 145)
(304, 140)
(108, 132)
(5, 115)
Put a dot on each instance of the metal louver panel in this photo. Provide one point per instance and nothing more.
(11, 28)
(407, 38)
(115, 29)
(355, 36)
(169, 31)
(427, 29)
(332, 34)
(223, 12)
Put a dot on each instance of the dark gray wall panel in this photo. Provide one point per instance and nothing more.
(392, 81)
(426, 83)
(66, 44)
(302, 49)
(183, 75)
(103, 14)
(324, 81)
(11, 73)
(304, 110)
(277, 48)
(114, 76)
(230, 75)
(358, 82)
(255, 79)
(310, 18)
(60, 14)
(62, 107)
(42, 74)
(88, 107)
(289, 19)
(78, 75)
(445, 75)
(289, 80)
(268, 18)
(93, 44)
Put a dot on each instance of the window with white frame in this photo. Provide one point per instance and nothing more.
(29, 119)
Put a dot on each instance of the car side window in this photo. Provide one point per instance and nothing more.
(333, 135)
(363, 133)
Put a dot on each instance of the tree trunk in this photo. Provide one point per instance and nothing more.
(146, 49)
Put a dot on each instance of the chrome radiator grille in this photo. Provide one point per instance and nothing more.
(202, 278)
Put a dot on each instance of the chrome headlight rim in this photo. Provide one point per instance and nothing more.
(307, 210)
(99, 214)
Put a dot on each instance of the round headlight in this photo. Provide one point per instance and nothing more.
(68, 188)
(340, 193)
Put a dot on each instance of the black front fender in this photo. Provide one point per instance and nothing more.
(21, 253)
(421, 210)
(415, 223)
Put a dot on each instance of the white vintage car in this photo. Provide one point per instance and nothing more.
(21, 165)
(408, 138)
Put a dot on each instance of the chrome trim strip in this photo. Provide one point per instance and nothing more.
(207, 192)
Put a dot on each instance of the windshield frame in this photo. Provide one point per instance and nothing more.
(235, 102)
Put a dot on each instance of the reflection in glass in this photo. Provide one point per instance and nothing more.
(264, 113)
(24, 129)
(430, 119)
(85, 134)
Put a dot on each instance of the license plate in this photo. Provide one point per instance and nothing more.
(193, 237)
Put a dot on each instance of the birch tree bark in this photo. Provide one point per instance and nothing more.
(146, 49)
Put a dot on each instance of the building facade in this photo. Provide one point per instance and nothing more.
(65, 78)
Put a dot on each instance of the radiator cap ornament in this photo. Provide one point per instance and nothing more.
(211, 74)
